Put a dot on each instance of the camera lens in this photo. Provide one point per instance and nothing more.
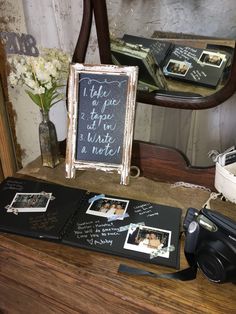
(212, 267)
(216, 260)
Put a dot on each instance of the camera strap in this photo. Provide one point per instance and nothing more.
(186, 274)
(183, 275)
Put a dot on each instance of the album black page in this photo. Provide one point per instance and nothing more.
(125, 227)
(37, 209)
(200, 66)
(129, 228)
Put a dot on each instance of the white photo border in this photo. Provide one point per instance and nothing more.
(108, 200)
(145, 249)
(180, 64)
(32, 208)
(212, 54)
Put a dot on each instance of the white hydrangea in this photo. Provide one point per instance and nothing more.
(40, 90)
(13, 79)
(29, 82)
(41, 74)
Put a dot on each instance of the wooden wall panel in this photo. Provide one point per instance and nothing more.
(7, 153)
(1, 173)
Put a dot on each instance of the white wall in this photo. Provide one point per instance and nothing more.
(56, 23)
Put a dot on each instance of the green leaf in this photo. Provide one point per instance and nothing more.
(34, 97)
(57, 101)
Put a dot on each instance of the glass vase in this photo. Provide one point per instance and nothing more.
(48, 142)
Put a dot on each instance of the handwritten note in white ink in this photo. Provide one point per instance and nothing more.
(97, 233)
(146, 209)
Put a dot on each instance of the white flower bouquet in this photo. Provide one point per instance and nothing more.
(43, 76)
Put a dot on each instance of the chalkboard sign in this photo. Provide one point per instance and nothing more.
(101, 117)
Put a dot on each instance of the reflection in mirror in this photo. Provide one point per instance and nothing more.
(179, 65)
(210, 26)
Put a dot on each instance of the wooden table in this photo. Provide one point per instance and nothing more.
(44, 277)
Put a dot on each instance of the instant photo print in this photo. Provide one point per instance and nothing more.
(114, 225)
(29, 202)
(108, 207)
(148, 240)
(179, 68)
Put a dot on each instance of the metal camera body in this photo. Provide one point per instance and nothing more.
(211, 244)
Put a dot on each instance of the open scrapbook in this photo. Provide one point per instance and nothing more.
(109, 224)
(200, 66)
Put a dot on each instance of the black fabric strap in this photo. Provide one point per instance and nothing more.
(183, 275)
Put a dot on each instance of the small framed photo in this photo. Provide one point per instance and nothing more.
(214, 59)
(146, 239)
(108, 207)
(176, 67)
(29, 202)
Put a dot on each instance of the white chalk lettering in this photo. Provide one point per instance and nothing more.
(101, 139)
(102, 242)
(109, 127)
(100, 117)
(94, 93)
(107, 151)
(109, 102)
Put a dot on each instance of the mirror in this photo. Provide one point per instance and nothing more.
(194, 132)
(183, 25)
(205, 25)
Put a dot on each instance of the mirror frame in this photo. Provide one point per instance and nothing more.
(167, 100)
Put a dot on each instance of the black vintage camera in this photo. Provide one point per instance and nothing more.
(211, 244)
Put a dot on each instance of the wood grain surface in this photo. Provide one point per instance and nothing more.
(168, 164)
(44, 277)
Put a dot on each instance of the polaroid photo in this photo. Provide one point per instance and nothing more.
(29, 202)
(108, 207)
(214, 59)
(146, 239)
(176, 67)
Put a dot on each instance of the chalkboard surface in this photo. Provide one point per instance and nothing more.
(101, 107)
(101, 118)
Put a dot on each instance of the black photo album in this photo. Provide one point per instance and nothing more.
(124, 227)
(160, 49)
(201, 66)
